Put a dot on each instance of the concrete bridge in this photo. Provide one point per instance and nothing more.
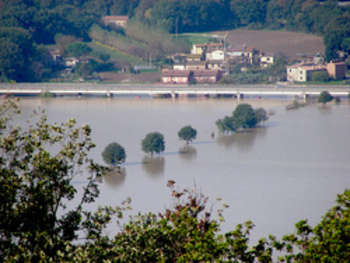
(239, 91)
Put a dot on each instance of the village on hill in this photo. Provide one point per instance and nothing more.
(210, 62)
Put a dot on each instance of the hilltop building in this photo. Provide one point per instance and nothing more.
(115, 20)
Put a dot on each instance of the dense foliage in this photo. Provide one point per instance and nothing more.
(114, 154)
(40, 22)
(325, 97)
(187, 133)
(153, 143)
(243, 117)
(36, 184)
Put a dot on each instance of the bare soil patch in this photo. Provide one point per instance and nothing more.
(291, 44)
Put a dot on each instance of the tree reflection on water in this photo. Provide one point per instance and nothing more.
(154, 166)
(188, 153)
(115, 177)
(243, 140)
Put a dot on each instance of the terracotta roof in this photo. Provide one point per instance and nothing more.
(175, 73)
(205, 73)
(308, 66)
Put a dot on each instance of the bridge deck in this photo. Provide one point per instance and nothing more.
(144, 89)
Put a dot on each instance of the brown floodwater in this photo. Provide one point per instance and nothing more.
(289, 169)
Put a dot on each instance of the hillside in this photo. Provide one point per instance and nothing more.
(29, 27)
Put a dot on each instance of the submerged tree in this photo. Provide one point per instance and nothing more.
(325, 97)
(261, 115)
(244, 116)
(153, 143)
(114, 154)
(226, 125)
(187, 134)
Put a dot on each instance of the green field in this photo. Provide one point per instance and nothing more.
(196, 38)
(115, 54)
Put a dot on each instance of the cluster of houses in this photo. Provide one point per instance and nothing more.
(208, 62)
(304, 71)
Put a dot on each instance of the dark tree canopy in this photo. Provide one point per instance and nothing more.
(35, 186)
(187, 133)
(261, 115)
(325, 97)
(226, 125)
(114, 154)
(153, 143)
(244, 116)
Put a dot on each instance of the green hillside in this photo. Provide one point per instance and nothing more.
(28, 26)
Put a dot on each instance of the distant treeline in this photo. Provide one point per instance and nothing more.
(39, 21)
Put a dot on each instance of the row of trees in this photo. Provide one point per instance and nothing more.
(114, 154)
(36, 184)
(243, 117)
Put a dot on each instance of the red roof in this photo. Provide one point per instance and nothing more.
(175, 73)
(205, 73)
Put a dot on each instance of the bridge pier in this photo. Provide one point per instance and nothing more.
(239, 96)
(174, 95)
(305, 97)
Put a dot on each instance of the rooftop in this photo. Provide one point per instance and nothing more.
(175, 73)
(115, 18)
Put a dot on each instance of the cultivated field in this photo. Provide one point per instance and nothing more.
(291, 44)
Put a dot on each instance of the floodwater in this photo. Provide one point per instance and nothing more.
(290, 169)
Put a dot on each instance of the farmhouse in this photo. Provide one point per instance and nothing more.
(266, 59)
(336, 70)
(193, 57)
(206, 76)
(175, 76)
(115, 20)
(196, 65)
(179, 66)
(216, 64)
(198, 49)
(303, 72)
(216, 54)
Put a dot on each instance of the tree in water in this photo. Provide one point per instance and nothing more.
(325, 97)
(261, 115)
(187, 134)
(153, 143)
(244, 116)
(114, 154)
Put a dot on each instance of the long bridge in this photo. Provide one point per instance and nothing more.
(101, 89)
